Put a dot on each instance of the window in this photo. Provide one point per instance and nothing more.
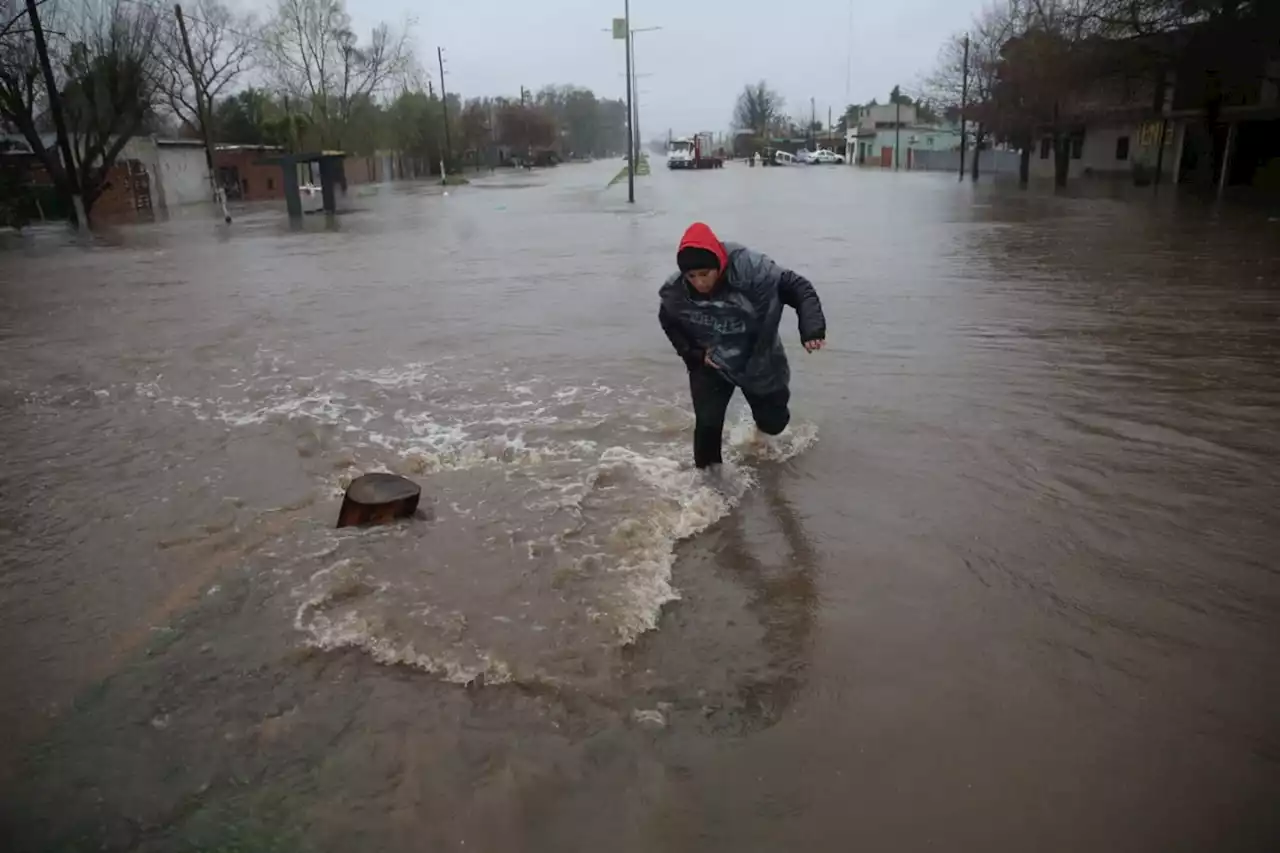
(1122, 148)
(1077, 147)
(1046, 145)
(271, 184)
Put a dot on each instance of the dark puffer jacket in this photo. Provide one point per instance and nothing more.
(737, 323)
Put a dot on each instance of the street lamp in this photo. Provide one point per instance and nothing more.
(622, 30)
(634, 113)
(635, 118)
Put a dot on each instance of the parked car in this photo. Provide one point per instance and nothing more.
(825, 157)
(804, 156)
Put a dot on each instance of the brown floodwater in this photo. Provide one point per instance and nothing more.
(1011, 581)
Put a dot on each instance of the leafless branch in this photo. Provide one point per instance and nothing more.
(222, 51)
(315, 57)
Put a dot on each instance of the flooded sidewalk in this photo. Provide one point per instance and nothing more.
(1009, 583)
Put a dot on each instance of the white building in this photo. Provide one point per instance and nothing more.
(177, 168)
(1112, 149)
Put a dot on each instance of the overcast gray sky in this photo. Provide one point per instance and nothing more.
(706, 51)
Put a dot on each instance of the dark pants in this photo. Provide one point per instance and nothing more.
(711, 395)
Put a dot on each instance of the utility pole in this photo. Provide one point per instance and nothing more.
(897, 128)
(635, 109)
(493, 139)
(964, 99)
(202, 111)
(631, 147)
(55, 107)
(444, 103)
(813, 119)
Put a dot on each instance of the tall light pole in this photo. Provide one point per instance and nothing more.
(633, 101)
(964, 98)
(635, 111)
(897, 128)
(622, 30)
(444, 105)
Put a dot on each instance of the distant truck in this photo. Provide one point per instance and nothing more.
(693, 153)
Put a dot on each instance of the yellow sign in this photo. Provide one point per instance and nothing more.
(619, 28)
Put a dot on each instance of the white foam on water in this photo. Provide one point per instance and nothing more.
(546, 543)
(349, 629)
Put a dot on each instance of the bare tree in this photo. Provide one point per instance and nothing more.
(315, 58)
(474, 124)
(105, 71)
(990, 31)
(758, 109)
(222, 50)
(13, 18)
(1053, 59)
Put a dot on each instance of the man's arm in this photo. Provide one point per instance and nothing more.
(685, 348)
(796, 291)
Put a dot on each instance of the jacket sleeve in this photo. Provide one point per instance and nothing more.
(684, 347)
(796, 291)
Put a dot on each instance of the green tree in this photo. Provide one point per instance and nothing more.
(246, 118)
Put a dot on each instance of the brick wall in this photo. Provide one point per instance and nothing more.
(125, 181)
(255, 180)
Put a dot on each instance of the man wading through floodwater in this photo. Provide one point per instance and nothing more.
(721, 312)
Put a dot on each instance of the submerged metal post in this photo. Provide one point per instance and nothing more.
(327, 178)
(292, 196)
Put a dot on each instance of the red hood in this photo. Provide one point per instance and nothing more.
(700, 236)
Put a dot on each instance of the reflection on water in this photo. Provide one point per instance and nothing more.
(783, 598)
(1027, 570)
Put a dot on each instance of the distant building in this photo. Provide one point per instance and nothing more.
(890, 135)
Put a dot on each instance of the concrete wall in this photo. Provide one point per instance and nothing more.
(990, 162)
(184, 176)
(175, 168)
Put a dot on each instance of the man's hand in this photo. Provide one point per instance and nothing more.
(706, 359)
(814, 346)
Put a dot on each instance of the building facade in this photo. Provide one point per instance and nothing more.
(888, 147)
(244, 175)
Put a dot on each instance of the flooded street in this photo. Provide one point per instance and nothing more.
(1011, 581)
